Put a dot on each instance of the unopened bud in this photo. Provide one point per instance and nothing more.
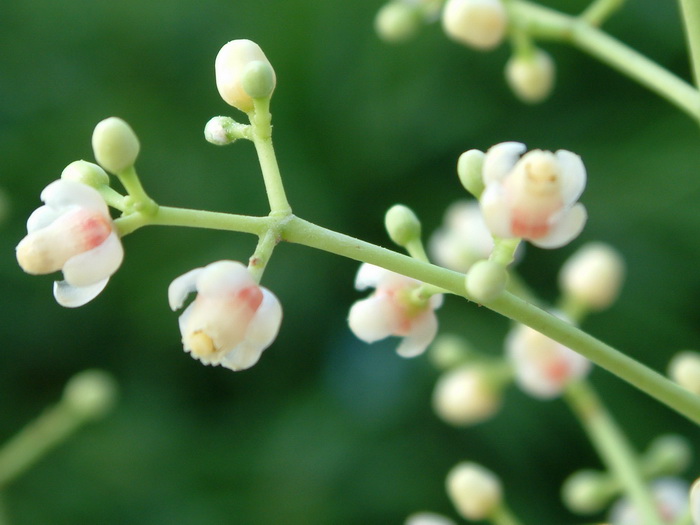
(397, 21)
(475, 491)
(402, 224)
(448, 351)
(428, 518)
(593, 276)
(90, 394)
(224, 130)
(469, 170)
(531, 78)
(667, 455)
(115, 145)
(587, 491)
(85, 173)
(466, 396)
(477, 23)
(684, 369)
(486, 280)
(232, 67)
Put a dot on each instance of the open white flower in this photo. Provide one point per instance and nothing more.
(534, 196)
(393, 310)
(542, 366)
(232, 319)
(72, 232)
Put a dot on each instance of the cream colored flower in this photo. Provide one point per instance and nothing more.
(477, 23)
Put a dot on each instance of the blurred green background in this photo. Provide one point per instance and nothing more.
(325, 429)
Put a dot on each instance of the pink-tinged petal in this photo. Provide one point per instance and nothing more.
(565, 229)
(573, 174)
(500, 159)
(63, 194)
(373, 318)
(265, 324)
(41, 218)
(243, 356)
(422, 333)
(73, 296)
(181, 287)
(223, 278)
(496, 211)
(369, 276)
(94, 265)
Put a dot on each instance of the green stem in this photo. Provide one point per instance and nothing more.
(132, 184)
(542, 22)
(263, 252)
(613, 448)
(261, 120)
(691, 21)
(600, 10)
(502, 515)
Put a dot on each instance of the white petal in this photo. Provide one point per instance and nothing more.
(695, 502)
(496, 211)
(41, 218)
(573, 176)
(369, 276)
(422, 334)
(224, 277)
(500, 159)
(63, 193)
(265, 324)
(245, 355)
(94, 265)
(74, 296)
(181, 287)
(372, 319)
(565, 230)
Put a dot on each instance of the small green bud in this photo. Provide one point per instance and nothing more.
(469, 170)
(115, 145)
(486, 280)
(258, 79)
(397, 21)
(222, 131)
(448, 351)
(90, 394)
(402, 225)
(587, 491)
(85, 173)
(667, 455)
(531, 77)
(474, 490)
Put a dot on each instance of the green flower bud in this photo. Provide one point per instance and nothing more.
(531, 78)
(224, 130)
(258, 79)
(231, 67)
(469, 170)
(587, 491)
(486, 280)
(402, 225)
(86, 173)
(667, 455)
(397, 21)
(90, 394)
(115, 145)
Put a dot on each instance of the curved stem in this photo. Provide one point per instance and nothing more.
(691, 20)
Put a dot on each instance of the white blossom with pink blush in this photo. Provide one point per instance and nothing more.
(72, 232)
(670, 498)
(533, 196)
(542, 366)
(394, 309)
(232, 319)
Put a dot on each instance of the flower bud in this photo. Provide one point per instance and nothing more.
(593, 276)
(402, 225)
(115, 145)
(474, 490)
(587, 491)
(85, 173)
(234, 63)
(477, 23)
(684, 369)
(531, 78)
(486, 280)
(91, 393)
(469, 168)
(669, 454)
(466, 396)
(397, 21)
(222, 131)
(448, 351)
(428, 518)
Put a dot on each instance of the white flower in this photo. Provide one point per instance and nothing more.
(463, 239)
(393, 310)
(671, 499)
(72, 232)
(465, 396)
(542, 366)
(234, 61)
(695, 502)
(232, 319)
(428, 518)
(534, 196)
(474, 490)
(477, 23)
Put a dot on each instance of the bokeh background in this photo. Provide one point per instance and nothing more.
(325, 429)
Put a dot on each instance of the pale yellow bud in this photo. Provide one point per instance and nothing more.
(531, 78)
(466, 396)
(397, 21)
(684, 369)
(477, 23)
(86, 173)
(91, 393)
(232, 65)
(475, 491)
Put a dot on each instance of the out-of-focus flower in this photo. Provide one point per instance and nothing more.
(593, 276)
(243, 72)
(684, 369)
(588, 491)
(232, 319)
(534, 196)
(398, 21)
(428, 518)
(72, 232)
(394, 309)
(477, 23)
(466, 395)
(695, 502)
(671, 499)
(463, 238)
(475, 491)
(531, 77)
(542, 366)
